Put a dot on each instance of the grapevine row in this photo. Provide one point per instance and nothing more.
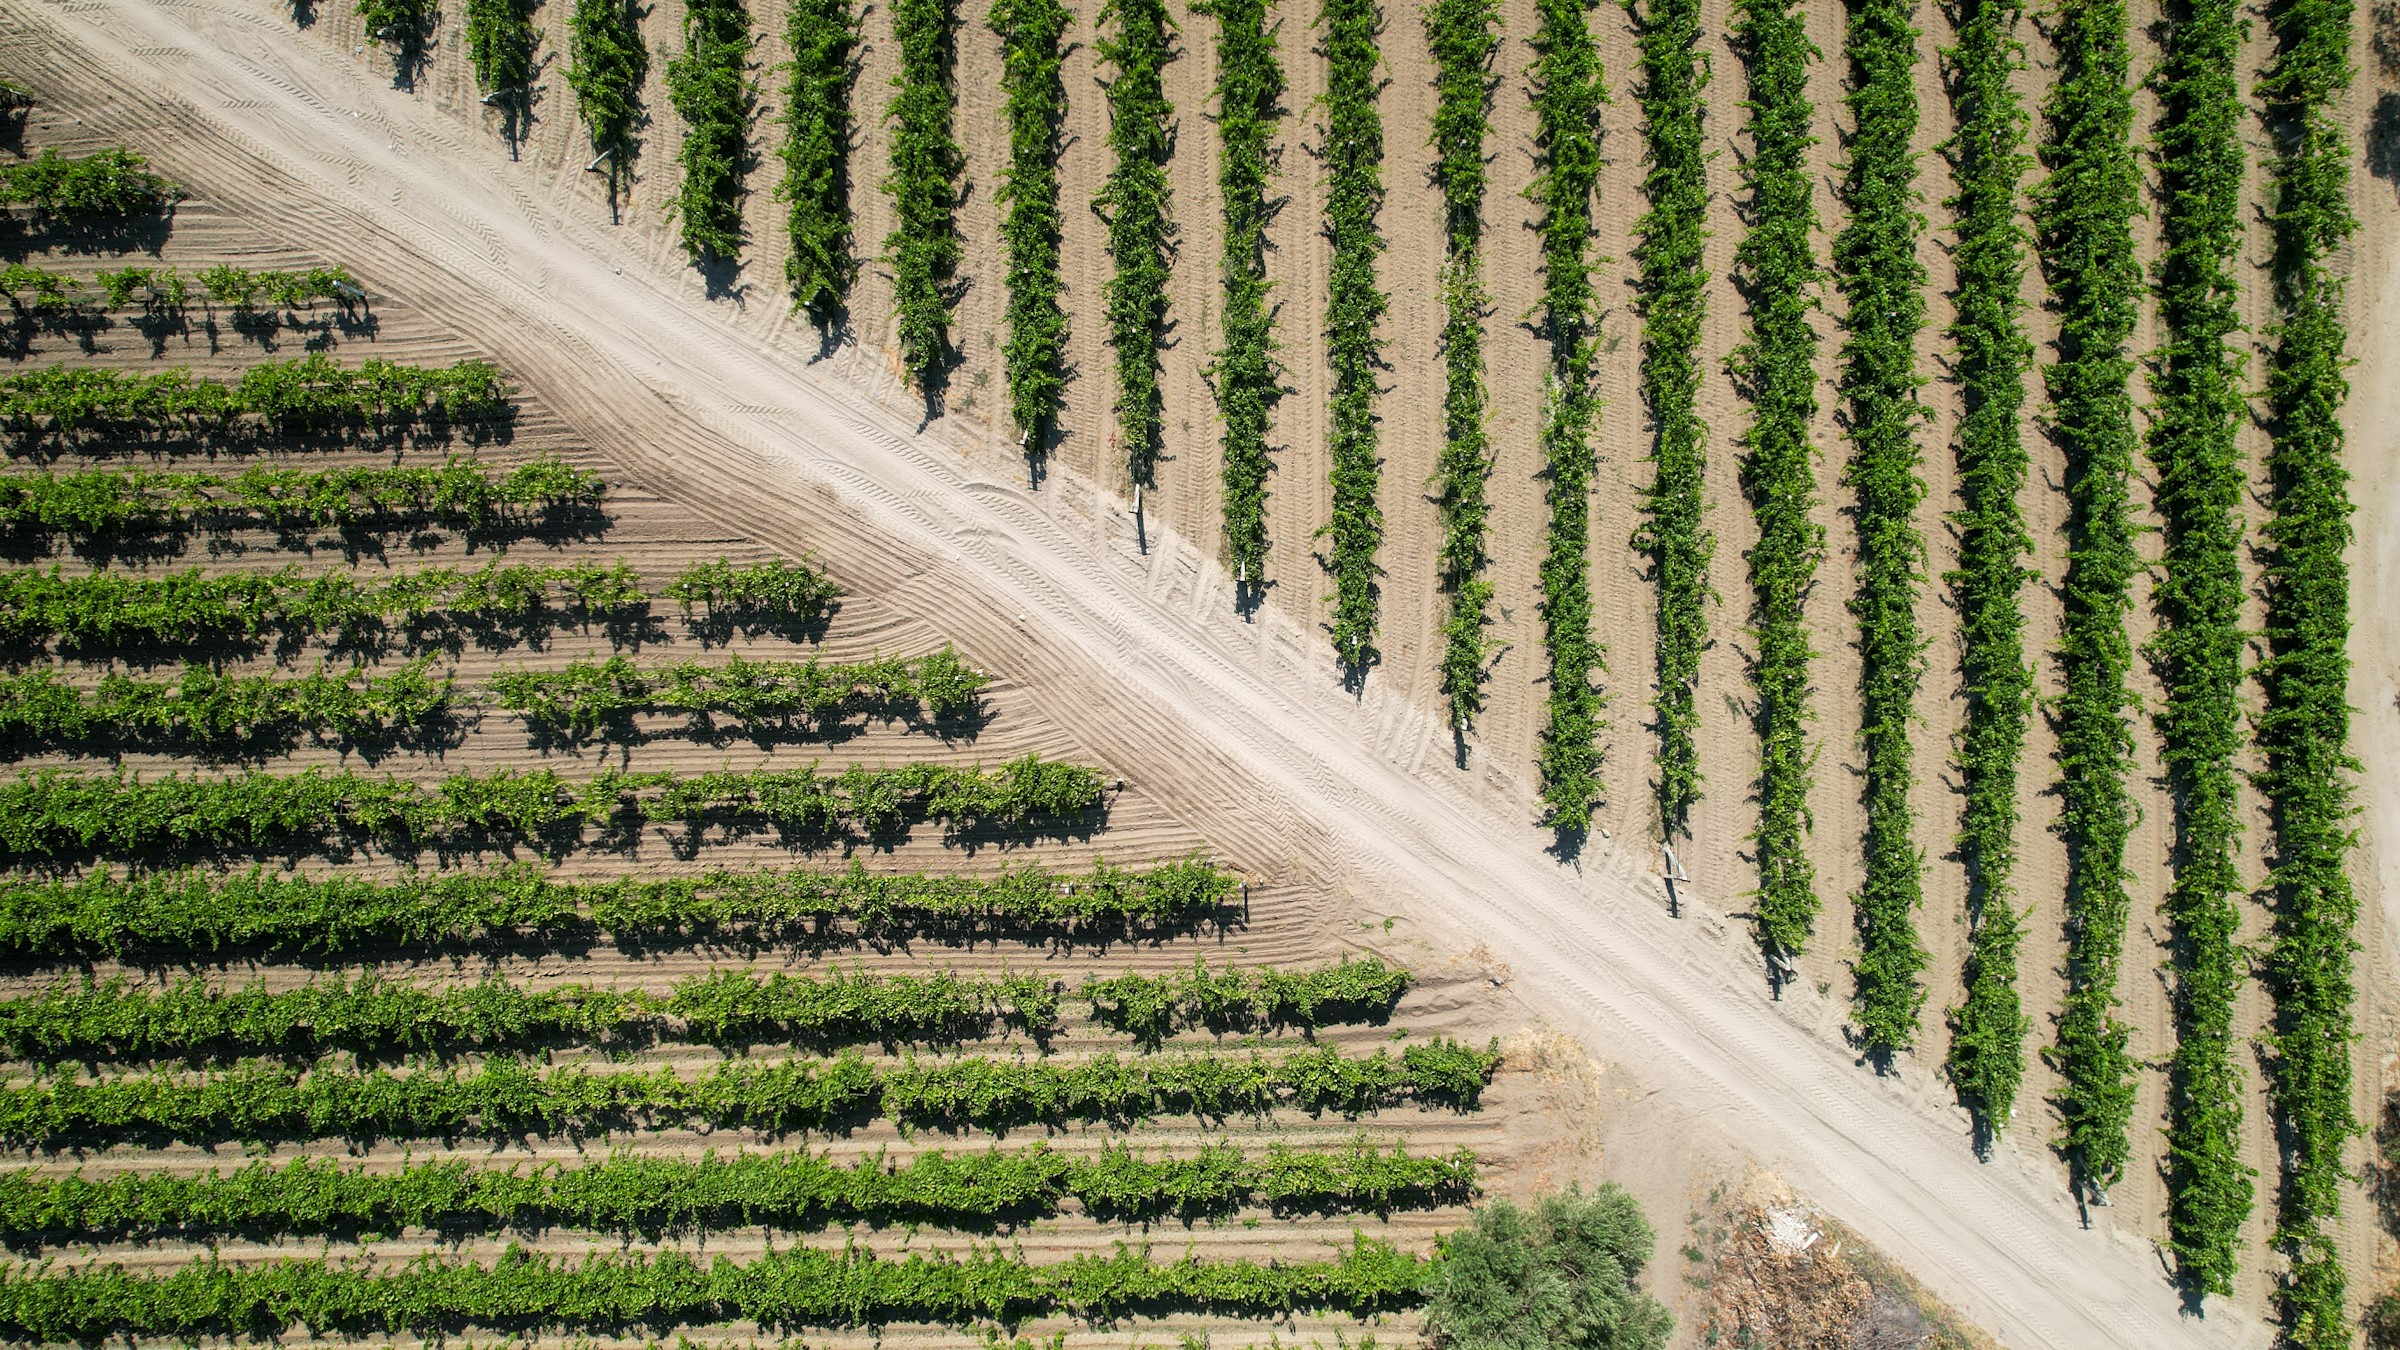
(588, 699)
(1986, 1061)
(924, 246)
(69, 402)
(186, 913)
(1353, 159)
(1567, 94)
(166, 291)
(501, 40)
(1247, 377)
(227, 713)
(785, 1290)
(1464, 40)
(405, 27)
(607, 62)
(55, 813)
(2196, 381)
(1031, 32)
(509, 1098)
(1883, 287)
(1153, 1007)
(375, 1019)
(710, 86)
(1136, 208)
(188, 608)
(652, 1197)
(1775, 369)
(2083, 218)
(1674, 300)
(91, 1020)
(460, 494)
(106, 183)
(2305, 725)
(823, 37)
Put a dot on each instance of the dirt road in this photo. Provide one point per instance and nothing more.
(1243, 727)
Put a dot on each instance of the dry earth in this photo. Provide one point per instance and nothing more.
(1237, 733)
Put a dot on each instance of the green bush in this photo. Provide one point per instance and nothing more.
(1464, 40)
(1560, 1276)
(776, 591)
(823, 35)
(712, 91)
(376, 1019)
(1353, 160)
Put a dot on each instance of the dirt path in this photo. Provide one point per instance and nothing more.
(1242, 727)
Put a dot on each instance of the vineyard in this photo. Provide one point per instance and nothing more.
(1951, 419)
(393, 774)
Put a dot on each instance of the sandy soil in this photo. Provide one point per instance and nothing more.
(1239, 727)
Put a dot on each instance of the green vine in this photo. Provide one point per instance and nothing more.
(1353, 159)
(823, 35)
(607, 62)
(1464, 38)
(1140, 219)
(1673, 290)
(1883, 288)
(2196, 381)
(924, 247)
(2305, 724)
(1775, 369)
(1567, 96)
(710, 86)
(1986, 1062)
(1246, 375)
(2083, 216)
(1030, 33)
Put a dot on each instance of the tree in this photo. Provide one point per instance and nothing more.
(1556, 1277)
